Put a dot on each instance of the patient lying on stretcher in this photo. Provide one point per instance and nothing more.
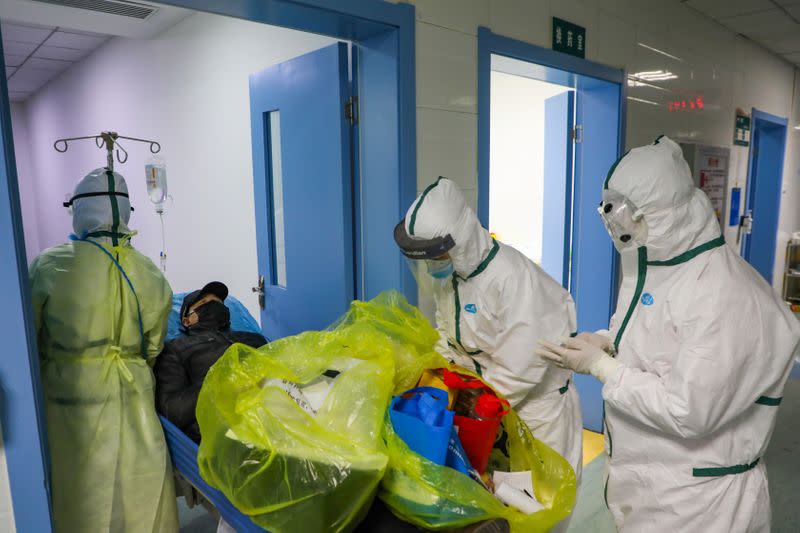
(183, 364)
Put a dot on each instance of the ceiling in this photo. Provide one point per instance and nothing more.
(35, 54)
(774, 24)
(43, 38)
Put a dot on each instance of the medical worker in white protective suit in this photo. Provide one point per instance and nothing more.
(703, 350)
(492, 306)
(101, 315)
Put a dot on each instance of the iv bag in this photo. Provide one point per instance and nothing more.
(156, 176)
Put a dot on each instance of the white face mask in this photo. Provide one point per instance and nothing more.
(623, 221)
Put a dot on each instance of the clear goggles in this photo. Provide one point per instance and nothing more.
(622, 219)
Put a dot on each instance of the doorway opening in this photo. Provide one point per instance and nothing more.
(560, 125)
(529, 154)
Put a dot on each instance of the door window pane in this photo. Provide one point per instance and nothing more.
(272, 129)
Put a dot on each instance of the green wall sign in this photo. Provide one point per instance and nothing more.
(741, 136)
(569, 38)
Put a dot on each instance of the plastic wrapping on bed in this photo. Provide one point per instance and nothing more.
(183, 451)
(241, 319)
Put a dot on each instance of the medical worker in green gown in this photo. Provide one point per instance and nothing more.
(101, 315)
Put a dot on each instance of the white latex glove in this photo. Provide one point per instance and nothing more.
(604, 342)
(580, 356)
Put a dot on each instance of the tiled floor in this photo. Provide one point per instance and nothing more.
(593, 446)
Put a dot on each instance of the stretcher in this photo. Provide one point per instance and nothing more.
(193, 487)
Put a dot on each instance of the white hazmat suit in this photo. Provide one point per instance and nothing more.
(491, 312)
(704, 348)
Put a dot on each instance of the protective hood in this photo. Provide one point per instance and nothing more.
(656, 178)
(441, 210)
(101, 208)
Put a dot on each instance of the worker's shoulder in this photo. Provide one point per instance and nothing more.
(143, 261)
(720, 268)
(517, 272)
(54, 255)
(721, 276)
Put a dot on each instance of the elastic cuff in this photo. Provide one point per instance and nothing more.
(604, 368)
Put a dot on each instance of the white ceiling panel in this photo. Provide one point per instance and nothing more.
(27, 74)
(47, 64)
(35, 53)
(74, 18)
(21, 83)
(75, 40)
(794, 57)
(61, 53)
(15, 96)
(17, 48)
(24, 33)
(794, 10)
(781, 45)
(730, 8)
(13, 60)
(774, 24)
(764, 23)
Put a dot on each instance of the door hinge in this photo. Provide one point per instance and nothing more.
(576, 133)
(351, 110)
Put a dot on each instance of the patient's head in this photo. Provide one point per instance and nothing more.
(206, 309)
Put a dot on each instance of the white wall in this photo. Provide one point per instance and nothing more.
(516, 193)
(729, 71)
(26, 179)
(187, 89)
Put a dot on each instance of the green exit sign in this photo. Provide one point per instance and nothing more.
(569, 38)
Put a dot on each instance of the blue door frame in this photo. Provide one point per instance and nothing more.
(384, 37)
(594, 262)
(764, 184)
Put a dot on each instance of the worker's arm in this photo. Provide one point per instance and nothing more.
(38, 293)
(156, 328)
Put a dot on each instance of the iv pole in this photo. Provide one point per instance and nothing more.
(109, 140)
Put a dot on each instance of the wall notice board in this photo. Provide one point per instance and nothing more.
(709, 166)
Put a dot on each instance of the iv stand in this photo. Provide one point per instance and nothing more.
(109, 141)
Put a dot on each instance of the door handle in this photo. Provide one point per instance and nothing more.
(745, 225)
(259, 290)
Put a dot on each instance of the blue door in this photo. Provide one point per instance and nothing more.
(558, 122)
(303, 190)
(764, 182)
(593, 280)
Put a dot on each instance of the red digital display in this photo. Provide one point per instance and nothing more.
(681, 105)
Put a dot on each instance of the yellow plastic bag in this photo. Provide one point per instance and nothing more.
(437, 497)
(290, 469)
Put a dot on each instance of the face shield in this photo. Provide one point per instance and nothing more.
(427, 258)
(623, 221)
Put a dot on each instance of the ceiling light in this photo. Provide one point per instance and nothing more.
(642, 100)
(638, 82)
(663, 53)
(654, 75)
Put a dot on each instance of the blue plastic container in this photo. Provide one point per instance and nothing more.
(421, 418)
